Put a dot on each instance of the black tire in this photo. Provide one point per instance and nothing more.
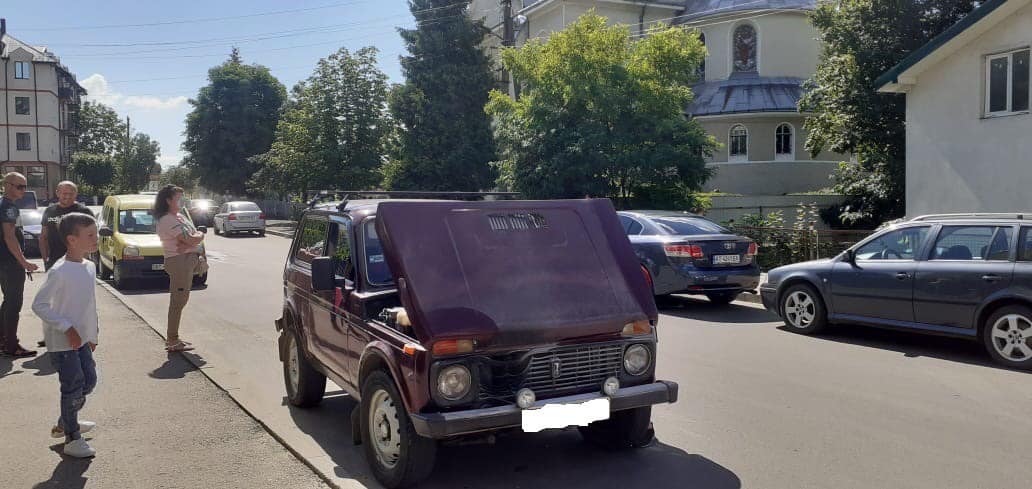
(217, 232)
(102, 270)
(200, 279)
(814, 309)
(311, 385)
(1016, 336)
(722, 297)
(261, 234)
(631, 428)
(415, 459)
(120, 281)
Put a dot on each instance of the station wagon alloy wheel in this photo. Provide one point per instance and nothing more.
(385, 429)
(1012, 337)
(800, 309)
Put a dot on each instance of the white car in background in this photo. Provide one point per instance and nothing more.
(239, 216)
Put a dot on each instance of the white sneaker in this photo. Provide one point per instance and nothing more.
(84, 427)
(79, 449)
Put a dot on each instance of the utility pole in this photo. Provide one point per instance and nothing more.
(509, 40)
(128, 147)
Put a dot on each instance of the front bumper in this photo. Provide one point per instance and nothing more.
(142, 268)
(443, 425)
(769, 296)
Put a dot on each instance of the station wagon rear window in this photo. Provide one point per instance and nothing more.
(688, 226)
(377, 272)
(244, 207)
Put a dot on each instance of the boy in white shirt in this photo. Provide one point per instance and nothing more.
(67, 304)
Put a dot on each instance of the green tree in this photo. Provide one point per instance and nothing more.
(602, 115)
(179, 176)
(93, 172)
(135, 167)
(333, 131)
(862, 39)
(101, 130)
(234, 118)
(444, 139)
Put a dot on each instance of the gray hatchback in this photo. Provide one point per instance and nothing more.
(965, 275)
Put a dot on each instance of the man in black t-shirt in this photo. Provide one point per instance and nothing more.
(13, 265)
(51, 246)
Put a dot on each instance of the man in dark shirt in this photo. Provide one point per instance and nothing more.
(51, 246)
(13, 265)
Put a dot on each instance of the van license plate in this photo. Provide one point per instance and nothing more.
(558, 416)
(726, 259)
(157, 266)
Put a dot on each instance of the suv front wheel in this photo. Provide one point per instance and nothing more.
(631, 428)
(398, 456)
(305, 385)
(1008, 336)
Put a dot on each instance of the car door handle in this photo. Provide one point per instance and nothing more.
(902, 275)
(990, 278)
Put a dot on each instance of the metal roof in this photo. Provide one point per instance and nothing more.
(696, 9)
(746, 92)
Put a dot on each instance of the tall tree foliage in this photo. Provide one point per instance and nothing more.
(333, 131)
(134, 171)
(862, 39)
(93, 172)
(179, 176)
(234, 118)
(602, 114)
(444, 140)
(102, 130)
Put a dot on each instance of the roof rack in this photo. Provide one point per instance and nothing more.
(1003, 215)
(346, 195)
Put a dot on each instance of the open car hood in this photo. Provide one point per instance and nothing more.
(513, 272)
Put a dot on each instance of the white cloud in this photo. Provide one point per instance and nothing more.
(98, 90)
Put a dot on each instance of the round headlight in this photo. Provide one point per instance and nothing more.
(130, 251)
(610, 386)
(453, 382)
(637, 359)
(525, 398)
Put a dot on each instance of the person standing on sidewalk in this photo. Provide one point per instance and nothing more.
(13, 266)
(181, 242)
(51, 246)
(67, 304)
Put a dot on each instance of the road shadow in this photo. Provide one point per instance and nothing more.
(69, 472)
(551, 459)
(911, 345)
(41, 364)
(151, 287)
(177, 365)
(7, 367)
(240, 235)
(704, 310)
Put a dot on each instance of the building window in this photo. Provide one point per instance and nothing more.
(21, 105)
(744, 49)
(36, 176)
(738, 144)
(784, 143)
(1007, 83)
(24, 141)
(21, 70)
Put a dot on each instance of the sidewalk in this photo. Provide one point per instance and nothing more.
(161, 423)
(282, 228)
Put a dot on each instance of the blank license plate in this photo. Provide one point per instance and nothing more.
(724, 259)
(557, 416)
(246, 218)
(157, 266)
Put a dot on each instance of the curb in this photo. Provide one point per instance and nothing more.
(277, 232)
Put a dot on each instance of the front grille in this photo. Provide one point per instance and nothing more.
(572, 369)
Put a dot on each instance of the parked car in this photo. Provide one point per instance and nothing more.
(28, 201)
(133, 251)
(451, 319)
(98, 212)
(202, 211)
(31, 222)
(688, 254)
(235, 217)
(967, 275)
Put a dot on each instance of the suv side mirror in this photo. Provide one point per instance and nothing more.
(106, 232)
(322, 274)
(202, 229)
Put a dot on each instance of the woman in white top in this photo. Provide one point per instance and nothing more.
(181, 242)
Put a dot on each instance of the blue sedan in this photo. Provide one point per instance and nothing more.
(687, 254)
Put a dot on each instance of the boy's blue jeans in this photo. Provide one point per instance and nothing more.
(78, 375)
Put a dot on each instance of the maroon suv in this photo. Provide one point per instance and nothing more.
(450, 319)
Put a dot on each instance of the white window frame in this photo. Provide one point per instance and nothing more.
(739, 158)
(24, 67)
(1009, 56)
(791, 142)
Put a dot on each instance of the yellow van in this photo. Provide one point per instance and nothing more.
(133, 251)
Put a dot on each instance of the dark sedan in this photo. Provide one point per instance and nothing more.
(688, 254)
(202, 211)
(31, 221)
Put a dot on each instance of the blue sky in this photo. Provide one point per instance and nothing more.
(149, 71)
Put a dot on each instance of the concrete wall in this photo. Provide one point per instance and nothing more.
(726, 208)
(787, 44)
(771, 177)
(958, 160)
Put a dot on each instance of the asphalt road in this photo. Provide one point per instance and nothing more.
(759, 407)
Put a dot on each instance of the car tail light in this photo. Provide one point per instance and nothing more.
(232, 217)
(648, 276)
(753, 249)
(684, 251)
(452, 347)
(261, 216)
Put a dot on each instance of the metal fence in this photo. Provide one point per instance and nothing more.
(783, 246)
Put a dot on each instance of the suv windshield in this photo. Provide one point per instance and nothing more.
(136, 221)
(377, 272)
(687, 225)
